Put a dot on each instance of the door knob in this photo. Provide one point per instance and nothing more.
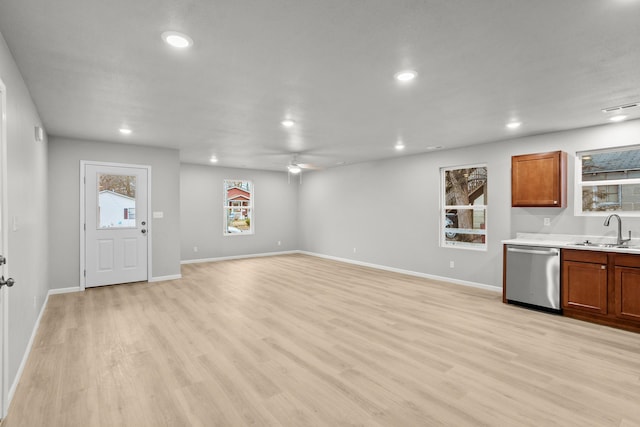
(9, 282)
(143, 231)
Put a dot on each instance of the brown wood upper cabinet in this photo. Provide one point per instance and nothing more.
(539, 180)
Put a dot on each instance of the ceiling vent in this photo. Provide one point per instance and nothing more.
(620, 107)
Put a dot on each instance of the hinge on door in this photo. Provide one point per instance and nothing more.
(85, 273)
(85, 226)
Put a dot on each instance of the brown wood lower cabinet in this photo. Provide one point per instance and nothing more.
(585, 286)
(602, 287)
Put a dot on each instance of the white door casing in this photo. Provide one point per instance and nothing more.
(4, 294)
(115, 226)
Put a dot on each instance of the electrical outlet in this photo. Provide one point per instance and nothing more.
(452, 264)
(547, 221)
(195, 249)
(279, 243)
(354, 250)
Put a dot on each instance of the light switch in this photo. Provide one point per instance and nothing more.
(157, 215)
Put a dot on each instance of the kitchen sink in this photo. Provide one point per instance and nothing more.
(605, 245)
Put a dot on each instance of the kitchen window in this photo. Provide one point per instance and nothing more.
(464, 207)
(608, 181)
(238, 207)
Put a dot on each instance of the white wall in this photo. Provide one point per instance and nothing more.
(27, 203)
(389, 210)
(64, 203)
(201, 200)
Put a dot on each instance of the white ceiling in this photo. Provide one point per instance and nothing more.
(95, 66)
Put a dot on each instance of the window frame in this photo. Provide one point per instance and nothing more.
(250, 207)
(579, 184)
(444, 243)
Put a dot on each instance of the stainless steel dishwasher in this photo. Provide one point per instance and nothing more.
(533, 277)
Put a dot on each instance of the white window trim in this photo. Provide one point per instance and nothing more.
(226, 208)
(443, 208)
(578, 185)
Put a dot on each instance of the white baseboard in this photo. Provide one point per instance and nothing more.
(408, 272)
(64, 290)
(27, 351)
(164, 278)
(350, 261)
(34, 332)
(227, 258)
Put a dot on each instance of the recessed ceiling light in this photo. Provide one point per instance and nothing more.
(177, 39)
(617, 118)
(213, 159)
(514, 125)
(287, 123)
(399, 146)
(406, 75)
(125, 131)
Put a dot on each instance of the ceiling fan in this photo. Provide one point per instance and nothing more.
(295, 168)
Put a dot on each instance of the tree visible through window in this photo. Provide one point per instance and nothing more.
(238, 207)
(464, 207)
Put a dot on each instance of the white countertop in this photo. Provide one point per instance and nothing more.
(569, 241)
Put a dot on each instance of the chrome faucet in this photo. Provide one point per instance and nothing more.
(621, 241)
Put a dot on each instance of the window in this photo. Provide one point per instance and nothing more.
(116, 201)
(129, 213)
(464, 207)
(238, 207)
(608, 181)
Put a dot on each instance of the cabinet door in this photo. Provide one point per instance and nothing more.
(628, 293)
(539, 180)
(584, 287)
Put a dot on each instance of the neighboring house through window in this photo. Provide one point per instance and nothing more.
(608, 181)
(129, 213)
(238, 207)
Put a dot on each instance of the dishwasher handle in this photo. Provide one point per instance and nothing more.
(545, 251)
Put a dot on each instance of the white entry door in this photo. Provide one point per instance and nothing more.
(116, 226)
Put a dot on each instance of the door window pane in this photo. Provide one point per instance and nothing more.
(116, 201)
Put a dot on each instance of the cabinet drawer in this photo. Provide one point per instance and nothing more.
(627, 260)
(584, 256)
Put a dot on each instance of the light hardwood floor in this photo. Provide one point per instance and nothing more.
(299, 341)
